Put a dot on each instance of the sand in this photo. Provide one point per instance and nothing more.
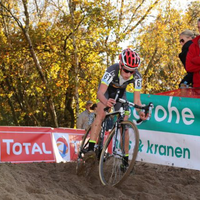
(58, 181)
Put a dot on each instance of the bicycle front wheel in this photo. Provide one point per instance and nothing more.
(122, 141)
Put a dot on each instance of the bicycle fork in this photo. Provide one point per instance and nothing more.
(119, 143)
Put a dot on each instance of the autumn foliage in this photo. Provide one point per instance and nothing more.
(53, 54)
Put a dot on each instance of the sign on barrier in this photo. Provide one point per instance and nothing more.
(172, 135)
(66, 143)
(26, 144)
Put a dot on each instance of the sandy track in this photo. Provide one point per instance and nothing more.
(51, 181)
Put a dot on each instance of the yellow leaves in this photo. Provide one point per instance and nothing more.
(2, 95)
(10, 94)
(130, 88)
(53, 72)
(38, 89)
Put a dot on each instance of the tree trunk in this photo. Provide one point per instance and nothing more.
(76, 95)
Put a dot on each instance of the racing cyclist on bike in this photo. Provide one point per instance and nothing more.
(116, 77)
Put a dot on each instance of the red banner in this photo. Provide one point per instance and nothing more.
(37, 144)
(26, 144)
(183, 92)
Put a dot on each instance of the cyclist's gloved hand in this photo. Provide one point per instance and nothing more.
(110, 102)
(142, 115)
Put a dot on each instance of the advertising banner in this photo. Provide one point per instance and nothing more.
(172, 135)
(66, 143)
(23, 145)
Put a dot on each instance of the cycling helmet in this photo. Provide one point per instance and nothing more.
(129, 58)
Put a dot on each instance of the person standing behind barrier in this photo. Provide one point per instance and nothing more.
(186, 40)
(83, 118)
(193, 59)
(92, 115)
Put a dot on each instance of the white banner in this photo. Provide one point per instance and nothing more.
(179, 150)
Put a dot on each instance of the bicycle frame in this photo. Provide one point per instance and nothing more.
(121, 115)
(99, 147)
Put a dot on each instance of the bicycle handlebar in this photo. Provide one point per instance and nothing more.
(116, 97)
(147, 108)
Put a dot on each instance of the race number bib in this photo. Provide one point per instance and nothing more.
(138, 84)
(107, 78)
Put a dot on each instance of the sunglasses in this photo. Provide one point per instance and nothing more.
(126, 71)
(182, 40)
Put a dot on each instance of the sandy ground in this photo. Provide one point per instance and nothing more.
(51, 181)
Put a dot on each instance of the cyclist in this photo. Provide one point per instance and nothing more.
(116, 77)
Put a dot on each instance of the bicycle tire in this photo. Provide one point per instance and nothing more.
(82, 150)
(109, 164)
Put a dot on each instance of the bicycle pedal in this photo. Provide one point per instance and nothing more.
(123, 168)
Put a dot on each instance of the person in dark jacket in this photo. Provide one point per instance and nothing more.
(186, 40)
(193, 59)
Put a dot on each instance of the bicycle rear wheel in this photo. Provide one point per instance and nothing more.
(82, 150)
(112, 155)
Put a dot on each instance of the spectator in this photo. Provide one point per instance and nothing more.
(83, 118)
(193, 59)
(92, 113)
(186, 40)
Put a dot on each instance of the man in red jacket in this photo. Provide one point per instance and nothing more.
(193, 59)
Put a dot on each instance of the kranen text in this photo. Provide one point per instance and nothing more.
(171, 151)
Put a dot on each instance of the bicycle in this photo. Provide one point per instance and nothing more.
(110, 154)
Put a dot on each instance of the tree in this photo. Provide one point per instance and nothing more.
(158, 45)
(25, 29)
(54, 56)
